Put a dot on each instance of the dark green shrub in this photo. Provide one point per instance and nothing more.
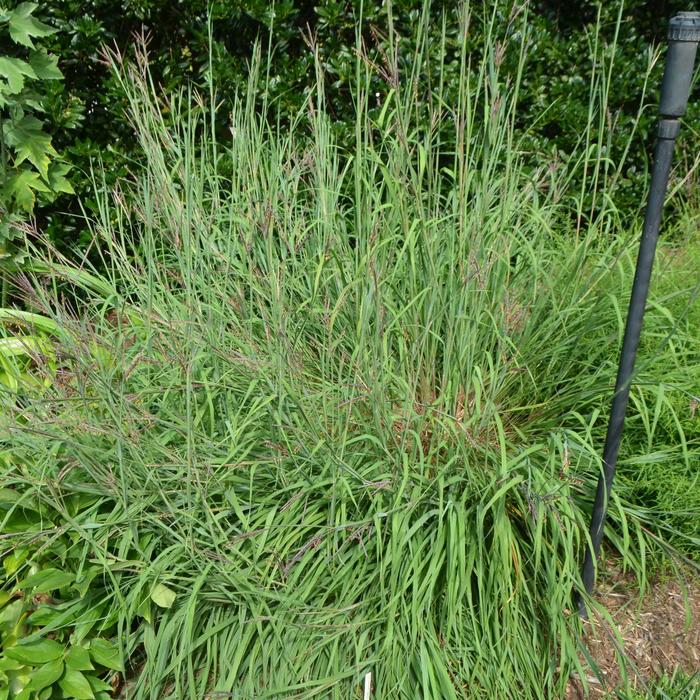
(569, 69)
(31, 170)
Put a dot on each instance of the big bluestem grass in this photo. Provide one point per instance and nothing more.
(346, 405)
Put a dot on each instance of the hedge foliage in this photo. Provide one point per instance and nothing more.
(573, 42)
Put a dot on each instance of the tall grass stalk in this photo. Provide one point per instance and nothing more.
(347, 406)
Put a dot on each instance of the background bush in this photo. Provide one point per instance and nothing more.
(567, 42)
(29, 164)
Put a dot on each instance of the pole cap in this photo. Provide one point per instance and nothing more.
(685, 26)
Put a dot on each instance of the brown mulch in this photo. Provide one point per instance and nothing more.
(659, 635)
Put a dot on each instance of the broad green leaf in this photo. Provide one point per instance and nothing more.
(31, 98)
(57, 178)
(46, 675)
(163, 596)
(106, 654)
(88, 619)
(14, 70)
(47, 580)
(24, 27)
(8, 496)
(19, 682)
(9, 665)
(16, 316)
(75, 685)
(110, 619)
(13, 561)
(59, 615)
(45, 65)
(10, 614)
(144, 610)
(22, 186)
(30, 143)
(83, 584)
(34, 653)
(44, 615)
(8, 231)
(22, 521)
(98, 685)
(9, 381)
(21, 345)
(78, 658)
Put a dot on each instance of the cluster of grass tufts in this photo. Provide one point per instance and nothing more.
(673, 686)
(662, 447)
(336, 413)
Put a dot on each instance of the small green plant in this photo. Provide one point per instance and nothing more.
(54, 620)
(17, 357)
(30, 167)
(674, 686)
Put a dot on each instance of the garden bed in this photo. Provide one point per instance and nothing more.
(659, 635)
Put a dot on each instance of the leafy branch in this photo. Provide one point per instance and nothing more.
(30, 168)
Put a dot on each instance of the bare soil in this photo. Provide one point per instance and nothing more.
(657, 635)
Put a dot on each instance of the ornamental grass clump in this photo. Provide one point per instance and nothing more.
(330, 413)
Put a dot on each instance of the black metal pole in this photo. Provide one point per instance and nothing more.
(683, 36)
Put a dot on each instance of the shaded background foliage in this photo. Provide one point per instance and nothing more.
(554, 95)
